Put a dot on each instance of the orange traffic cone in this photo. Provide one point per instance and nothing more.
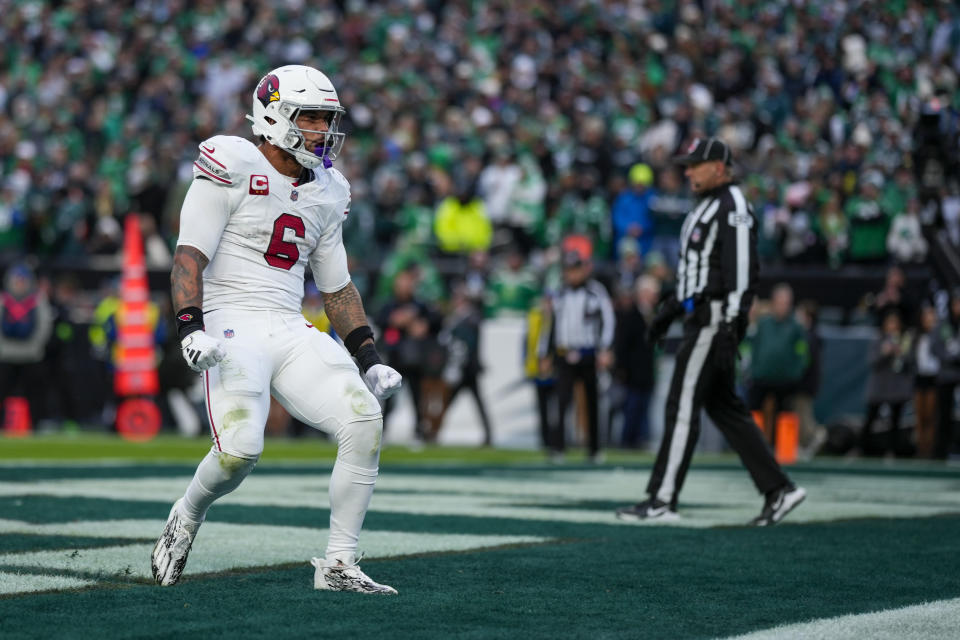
(788, 436)
(785, 436)
(136, 368)
(16, 422)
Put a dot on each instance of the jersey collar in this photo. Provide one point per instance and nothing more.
(306, 175)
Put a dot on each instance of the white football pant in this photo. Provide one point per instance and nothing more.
(315, 379)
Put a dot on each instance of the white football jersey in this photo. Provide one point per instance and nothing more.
(259, 228)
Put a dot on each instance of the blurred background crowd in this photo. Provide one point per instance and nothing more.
(486, 136)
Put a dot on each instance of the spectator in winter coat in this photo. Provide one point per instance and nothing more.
(539, 321)
(631, 210)
(668, 208)
(582, 210)
(890, 384)
(461, 222)
(513, 286)
(497, 182)
(905, 240)
(408, 328)
(926, 366)
(634, 358)
(461, 337)
(946, 347)
(812, 434)
(628, 268)
(780, 356)
(895, 296)
(26, 324)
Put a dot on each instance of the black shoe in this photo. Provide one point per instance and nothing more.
(779, 503)
(649, 510)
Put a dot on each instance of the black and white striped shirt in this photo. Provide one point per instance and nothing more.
(583, 319)
(718, 252)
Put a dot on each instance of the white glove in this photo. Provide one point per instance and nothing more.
(382, 380)
(201, 351)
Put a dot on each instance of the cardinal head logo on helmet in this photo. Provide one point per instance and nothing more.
(268, 90)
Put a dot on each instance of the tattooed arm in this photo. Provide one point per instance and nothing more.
(204, 216)
(345, 311)
(344, 308)
(199, 350)
(186, 279)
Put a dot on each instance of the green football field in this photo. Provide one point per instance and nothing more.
(479, 543)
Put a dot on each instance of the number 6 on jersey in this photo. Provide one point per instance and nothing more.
(281, 253)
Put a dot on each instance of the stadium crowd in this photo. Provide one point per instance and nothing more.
(483, 135)
(522, 115)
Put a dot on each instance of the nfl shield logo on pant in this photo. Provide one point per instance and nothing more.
(228, 333)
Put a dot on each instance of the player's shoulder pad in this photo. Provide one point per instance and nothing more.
(224, 160)
(337, 189)
(338, 182)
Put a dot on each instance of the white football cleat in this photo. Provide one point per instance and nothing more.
(170, 553)
(337, 576)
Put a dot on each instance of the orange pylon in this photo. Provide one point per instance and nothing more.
(786, 435)
(16, 419)
(136, 367)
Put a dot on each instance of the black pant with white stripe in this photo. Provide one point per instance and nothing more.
(700, 381)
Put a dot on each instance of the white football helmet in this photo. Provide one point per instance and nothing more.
(279, 98)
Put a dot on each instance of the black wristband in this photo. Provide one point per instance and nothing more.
(367, 356)
(189, 319)
(356, 338)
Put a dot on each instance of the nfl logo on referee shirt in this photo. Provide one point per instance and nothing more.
(228, 333)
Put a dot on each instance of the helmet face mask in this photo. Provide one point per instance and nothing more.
(327, 147)
(281, 97)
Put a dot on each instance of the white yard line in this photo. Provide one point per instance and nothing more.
(710, 498)
(939, 619)
(28, 583)
(218, 547)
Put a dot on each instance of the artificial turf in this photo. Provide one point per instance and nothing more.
(588, 579)
(617, 582)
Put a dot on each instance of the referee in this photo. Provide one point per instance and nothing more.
(716, 276)
(580, 338)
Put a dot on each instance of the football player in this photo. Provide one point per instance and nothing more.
(254, 217)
